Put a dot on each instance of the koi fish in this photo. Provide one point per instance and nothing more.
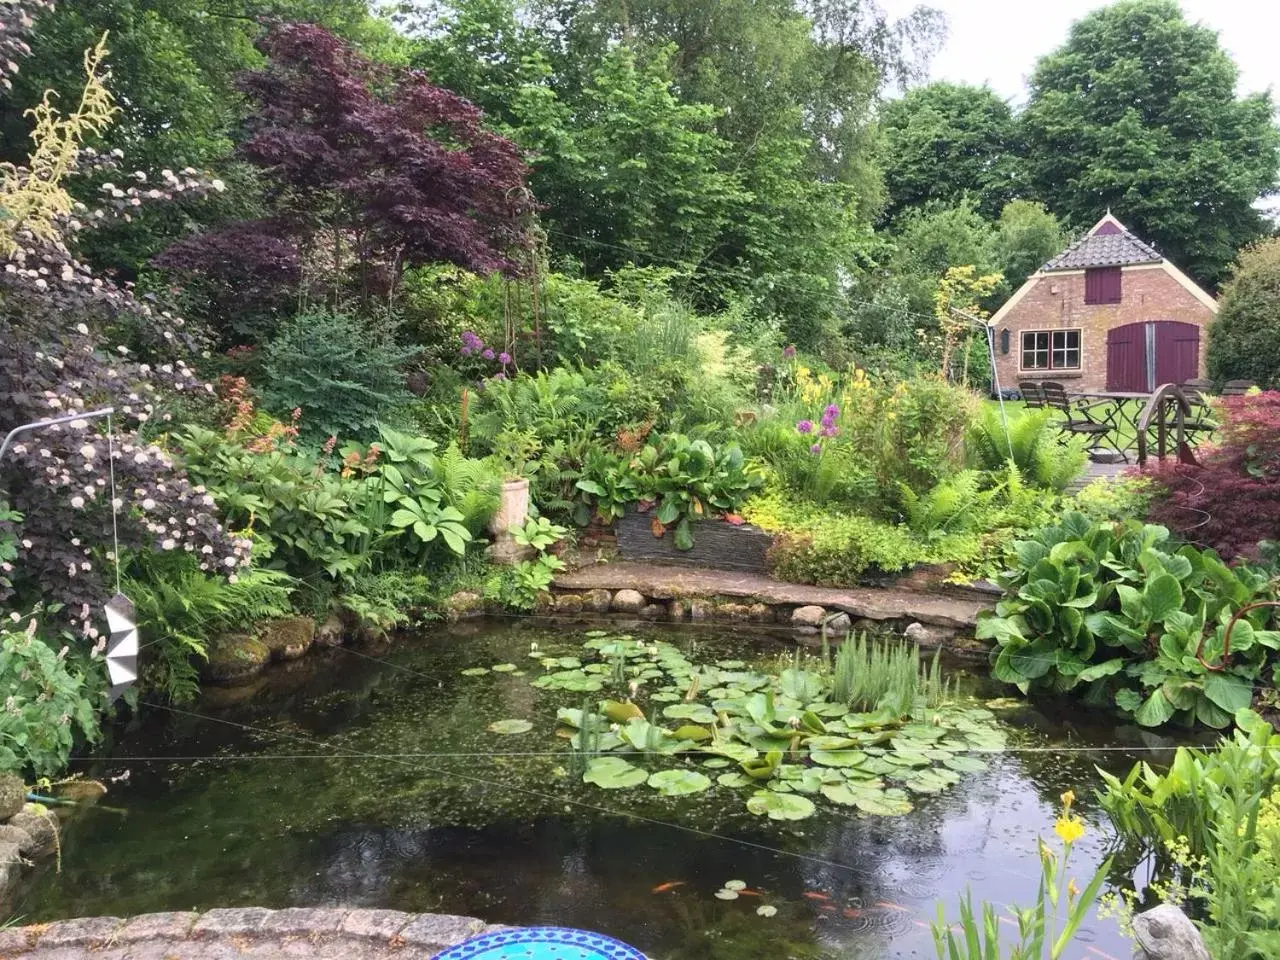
(891, 906)
(827, 908)
(750, 893)
(669, 885)
(814, 895)
(850, 913)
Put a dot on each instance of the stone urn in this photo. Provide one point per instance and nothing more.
(512, 512)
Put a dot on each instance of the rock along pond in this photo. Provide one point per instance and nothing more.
(408, 777)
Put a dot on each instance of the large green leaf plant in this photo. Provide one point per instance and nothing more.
(1121, 611)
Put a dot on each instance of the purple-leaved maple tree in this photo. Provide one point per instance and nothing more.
(369, 169)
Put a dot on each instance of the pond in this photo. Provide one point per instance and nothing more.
(370, 777)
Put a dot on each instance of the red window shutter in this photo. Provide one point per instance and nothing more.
(1102, 285)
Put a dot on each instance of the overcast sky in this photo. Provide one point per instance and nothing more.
(997, 42)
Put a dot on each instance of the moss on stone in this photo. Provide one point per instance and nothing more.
(289, 638)
(13, 794)
(234, 657)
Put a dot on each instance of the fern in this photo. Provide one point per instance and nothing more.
(469, 486)
(1034, 443)
(179, 608)
(946, 504)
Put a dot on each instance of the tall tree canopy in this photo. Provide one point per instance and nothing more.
(944, 142)
(369, 169)
(730, 138)
(1138, 112)
(174, 65)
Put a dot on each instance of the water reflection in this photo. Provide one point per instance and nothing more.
(508, 839)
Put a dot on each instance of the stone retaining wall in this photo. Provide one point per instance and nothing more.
(321, 933)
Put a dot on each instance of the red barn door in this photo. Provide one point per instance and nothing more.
(1127, 358)
(1177, 351)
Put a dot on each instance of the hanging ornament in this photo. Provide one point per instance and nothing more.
(122, 646)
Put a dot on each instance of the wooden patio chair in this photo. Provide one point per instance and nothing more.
(1199, 421)
(1077, 419)
(1237, 388)
(1031, 394)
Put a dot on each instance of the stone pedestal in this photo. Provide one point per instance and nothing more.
(512, 512)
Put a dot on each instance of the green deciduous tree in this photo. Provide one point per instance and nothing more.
(628, 171)
(944, 142)
(1244, 341)
(1138, 112)
(1026, 236)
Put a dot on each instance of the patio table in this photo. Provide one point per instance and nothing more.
(1116, 409)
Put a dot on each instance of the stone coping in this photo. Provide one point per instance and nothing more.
(668, 582)
(324, 933)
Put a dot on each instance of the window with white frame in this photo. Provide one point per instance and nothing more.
(1051, 350)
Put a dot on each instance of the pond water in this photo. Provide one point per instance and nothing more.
(369, 778)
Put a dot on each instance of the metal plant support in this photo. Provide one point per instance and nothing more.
(122, 642)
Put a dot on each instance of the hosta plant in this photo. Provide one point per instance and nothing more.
(1121, 611)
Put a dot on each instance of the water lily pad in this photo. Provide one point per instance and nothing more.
(692, 732)
(716, 763)
(678, 783)
(887, 803)
(734, 780)
(964, 764)
(828, 709)
(780, 806)
(731, 665)
(697, 712)
(726, 894)
(503, 668)
(510, 726)
(766, 910)
(614, 773)
(838, 758)
(735, 884)
(475, 671)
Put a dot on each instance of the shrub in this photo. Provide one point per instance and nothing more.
(1244, 340)
(1231, 501)
(342, 372)
(47, 701)
(72, 341)
(1119, 609)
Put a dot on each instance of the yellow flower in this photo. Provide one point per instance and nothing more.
(1069, 828)
(1068, 799)
(1073, 890)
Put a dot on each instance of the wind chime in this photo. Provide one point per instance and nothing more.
(122, 623)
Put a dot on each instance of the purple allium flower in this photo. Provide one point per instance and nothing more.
(831, 412)
(805, 426)
(816, 449)
(471, 343)
(504, 358)
(500, 375)
(828, 430)
(789, 351)
(488, 354)
(466, 351)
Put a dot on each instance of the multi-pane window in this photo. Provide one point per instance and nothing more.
(1051, 350)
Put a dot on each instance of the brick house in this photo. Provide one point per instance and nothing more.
(1107, 314)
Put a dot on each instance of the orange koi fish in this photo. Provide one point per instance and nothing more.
(891, 906)
(669, 885)
(814, 895)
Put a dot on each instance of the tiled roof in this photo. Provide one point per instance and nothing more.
(1104, 250)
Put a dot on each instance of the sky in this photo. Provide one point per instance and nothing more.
(997, 42)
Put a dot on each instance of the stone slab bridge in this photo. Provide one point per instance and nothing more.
(245, 932)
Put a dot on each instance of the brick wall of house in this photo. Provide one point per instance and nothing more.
(1057, 302)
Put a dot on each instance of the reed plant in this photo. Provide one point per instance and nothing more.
(871, 674)
(868, 674)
